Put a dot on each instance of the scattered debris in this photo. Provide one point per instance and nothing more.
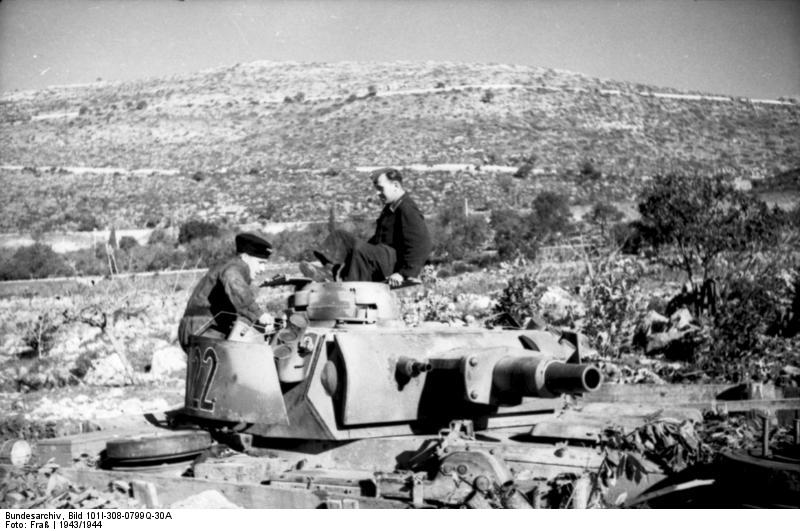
(208, 499)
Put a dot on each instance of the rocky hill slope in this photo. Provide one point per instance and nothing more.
(283, 141)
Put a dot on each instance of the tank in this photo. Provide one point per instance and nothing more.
(346, 396)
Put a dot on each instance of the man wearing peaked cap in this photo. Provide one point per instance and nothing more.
(224, 293)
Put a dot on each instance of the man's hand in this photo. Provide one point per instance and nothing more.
(395, 279)
(267, 320)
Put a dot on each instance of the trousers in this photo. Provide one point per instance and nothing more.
(367, 262)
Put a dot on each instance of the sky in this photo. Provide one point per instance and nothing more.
(733, 47)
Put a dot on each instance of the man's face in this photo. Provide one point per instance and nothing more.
(260, 266)
(257, 265)
(388, 191)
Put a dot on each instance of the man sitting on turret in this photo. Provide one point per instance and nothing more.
(401, 243)
(226, 288)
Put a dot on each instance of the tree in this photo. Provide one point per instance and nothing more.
(550, 216)
(127, 242)
(603, 215)
(513, 234)
(701, 218)
(34, 261)
(194, 229)
(588, 172)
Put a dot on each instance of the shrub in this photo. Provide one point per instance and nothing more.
(752, 299)
(604, 214)
(456, 235)
(588, 173)
(298, 245)
(82, 220)
(513, 234)
(205, 252)
(793, 216)
(524, 171)
(34, 261)
(520, 298)
(157, 257)
(88, 261)
(627, 237)
(195, 229)
(127, 242)
(488, 96)
(39, 335)
(158, 236)
(267, 211)
(550, 216)
(614, 303)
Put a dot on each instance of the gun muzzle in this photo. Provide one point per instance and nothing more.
(528, 376)
(410, 367)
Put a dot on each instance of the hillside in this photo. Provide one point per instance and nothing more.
(283, 141)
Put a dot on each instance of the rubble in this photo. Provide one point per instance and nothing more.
(107, 371)
(208, 499)
(558, 306)
(168, 360)
(45, 488)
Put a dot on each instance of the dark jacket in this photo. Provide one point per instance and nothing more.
(405, 231)
(225, 288)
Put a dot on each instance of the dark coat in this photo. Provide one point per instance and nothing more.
(225, 288)
(405, 231)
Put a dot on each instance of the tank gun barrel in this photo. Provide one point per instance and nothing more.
(410, 367)
(530, 376)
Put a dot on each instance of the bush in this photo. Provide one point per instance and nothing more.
(457, 236)
(158, 236)
(752, 299)
(603, 214)
(82, 220)
(157, 257)
(513, 234)
(614, 303)
(196, 229)
(588, 173)
(550, 216)
(127, 242)
(520, 298)
(206, 252)
(298, 245)
(34, 261)
(524, 171)
(88, 261)
(793, 217)
(627, 237)
(267, 211)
